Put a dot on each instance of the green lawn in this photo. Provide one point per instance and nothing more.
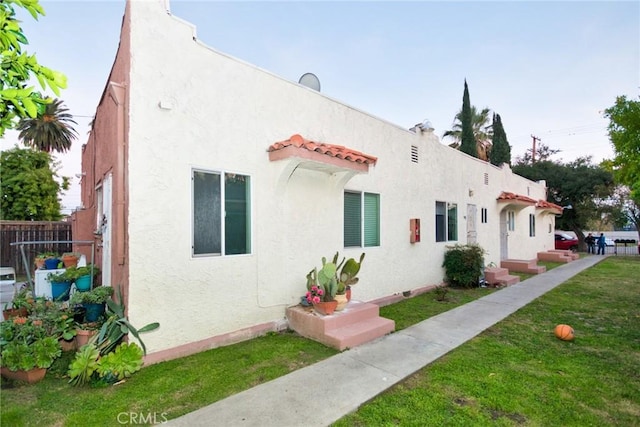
(518, 373)
(515, 373)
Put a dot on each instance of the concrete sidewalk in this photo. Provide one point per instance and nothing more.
(339, 385)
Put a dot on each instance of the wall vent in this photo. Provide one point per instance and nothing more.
(486, 178)
(414, 153)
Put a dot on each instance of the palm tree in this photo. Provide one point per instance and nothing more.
(481, 130)
(50, 130)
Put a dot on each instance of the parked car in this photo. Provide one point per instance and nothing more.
(7, 285)
(565, 241)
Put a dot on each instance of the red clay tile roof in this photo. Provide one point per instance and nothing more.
(506, 196)
(543, 204)
(332, 150)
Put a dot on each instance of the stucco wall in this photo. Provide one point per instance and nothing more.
(192, 107)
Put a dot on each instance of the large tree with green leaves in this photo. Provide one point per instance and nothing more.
(50, 130)
(624, 132)
(18, 99)
(29, 186)
(500, 149)
(467, 138)
(579, 184)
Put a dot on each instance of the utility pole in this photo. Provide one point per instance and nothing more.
(533, 152)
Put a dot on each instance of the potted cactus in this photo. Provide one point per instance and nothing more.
(332, 283)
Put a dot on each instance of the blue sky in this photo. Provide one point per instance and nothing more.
(548, 68)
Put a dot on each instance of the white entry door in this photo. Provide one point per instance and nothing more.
(472, 232)
(504, 236)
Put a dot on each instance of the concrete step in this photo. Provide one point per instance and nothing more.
(499, 276)
(574, 255)
(508, 279)
(357, 324)
(359, 333)
(554, 257)
(523, 266)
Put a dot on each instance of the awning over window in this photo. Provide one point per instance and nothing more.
(321, 156)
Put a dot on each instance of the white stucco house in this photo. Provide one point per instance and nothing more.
(212, 187)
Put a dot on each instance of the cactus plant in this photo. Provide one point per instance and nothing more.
(333, 278)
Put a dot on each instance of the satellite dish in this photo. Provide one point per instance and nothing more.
(310, 80)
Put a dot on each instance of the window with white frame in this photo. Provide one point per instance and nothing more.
(361, 219)
(446, 221)
(532, 225)
(511, 220)
(221, 213)
(483, 215)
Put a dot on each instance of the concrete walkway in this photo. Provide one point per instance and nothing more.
(338, 385)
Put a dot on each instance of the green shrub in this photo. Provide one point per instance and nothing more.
(463, 265)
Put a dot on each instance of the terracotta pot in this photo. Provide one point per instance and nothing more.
(342, 301)
(83, 336)
(10, 313)
(31, 376)
(348, 293)
(325, 308)
(70, 261)
(67, 345)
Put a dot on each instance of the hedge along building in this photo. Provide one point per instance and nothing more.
(213, 187)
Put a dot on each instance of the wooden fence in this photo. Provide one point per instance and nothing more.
(31, 231)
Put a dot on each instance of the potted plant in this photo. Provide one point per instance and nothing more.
(105, 356)
(51, 260)
(70, 259)
(331, 283)
(26, 349)
(60, 285)
(93, 301)
(19, 305)
(82, 276)
(57, 320)
(40, 259)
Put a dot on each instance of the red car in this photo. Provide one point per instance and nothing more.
(565, 241)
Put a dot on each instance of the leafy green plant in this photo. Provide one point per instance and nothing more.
(98, 295)
(23, 298)
(75, 272)
(24, 345)
(46, 255)
(84, 365)
(441, 292)
(464, 265)
(61, 277)
(124, 361)
(56, 318)
(117, 326)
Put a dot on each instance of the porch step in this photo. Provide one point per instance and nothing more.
(574, 255)
(357, 324)
(499, 276)
(523, 266)
(554, 257)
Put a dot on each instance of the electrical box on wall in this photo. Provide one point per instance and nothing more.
(414, 229)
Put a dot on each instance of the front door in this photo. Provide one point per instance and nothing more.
(472, 233)
(504, 236)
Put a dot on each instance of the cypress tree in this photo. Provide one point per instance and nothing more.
(500, 150)
(468, 140)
